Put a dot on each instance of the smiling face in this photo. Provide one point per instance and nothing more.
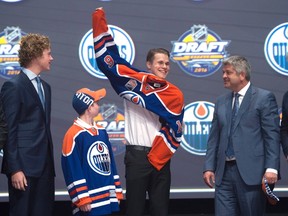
(159, 65)
(236, 73)
(233, 80)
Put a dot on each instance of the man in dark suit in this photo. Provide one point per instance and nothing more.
(28, 154)
(241, 152)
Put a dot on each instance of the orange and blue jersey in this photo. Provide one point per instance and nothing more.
(89, 169)
(142, 88)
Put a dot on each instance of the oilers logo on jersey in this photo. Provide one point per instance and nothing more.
(133, 97)
(98, 158)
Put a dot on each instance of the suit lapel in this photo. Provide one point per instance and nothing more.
(27, 84)
(244, 105)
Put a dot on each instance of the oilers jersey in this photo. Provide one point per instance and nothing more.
(144, 89)
(89, 169)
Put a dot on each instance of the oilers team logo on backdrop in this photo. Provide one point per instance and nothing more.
(86, 50)
(112, 119)
(9, 46)
(199, 51)
(276, 48)
(197, 122)
(99, 159)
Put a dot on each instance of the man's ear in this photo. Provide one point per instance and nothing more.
(148, 65)
(89, 108)
(242, 75)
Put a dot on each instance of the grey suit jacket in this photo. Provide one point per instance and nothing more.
(256, 136)
(29, 141)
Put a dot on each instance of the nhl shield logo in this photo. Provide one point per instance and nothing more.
(199, 32)
(12, 35)
(109, 111)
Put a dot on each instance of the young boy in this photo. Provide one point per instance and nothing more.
(87, 160)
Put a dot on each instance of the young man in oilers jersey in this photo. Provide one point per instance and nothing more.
(141, 126)
(153, 120)
(87, 160)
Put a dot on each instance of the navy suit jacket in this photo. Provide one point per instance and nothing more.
(3, 127)
(29, 141)
(256, 136)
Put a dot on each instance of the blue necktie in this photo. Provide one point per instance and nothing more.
(40, 92)
(230, 150)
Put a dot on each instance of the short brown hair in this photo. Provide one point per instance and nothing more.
(151, 53)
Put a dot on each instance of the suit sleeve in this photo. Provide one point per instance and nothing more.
(212, 144)
(71, 166)
(12, 105)
(271, 131)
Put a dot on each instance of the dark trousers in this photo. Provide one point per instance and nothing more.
(235, 198)
(142, 178)
(38, 197)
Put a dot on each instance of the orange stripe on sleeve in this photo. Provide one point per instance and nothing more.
(77, 190)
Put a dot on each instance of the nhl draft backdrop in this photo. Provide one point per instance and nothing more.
(198, 33)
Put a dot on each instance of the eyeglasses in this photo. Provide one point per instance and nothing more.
(271, 197)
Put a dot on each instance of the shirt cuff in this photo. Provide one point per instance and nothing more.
(272, 170)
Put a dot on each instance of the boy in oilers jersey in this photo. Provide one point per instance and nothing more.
(87, 160)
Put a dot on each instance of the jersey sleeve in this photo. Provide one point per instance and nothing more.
(72, 170)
